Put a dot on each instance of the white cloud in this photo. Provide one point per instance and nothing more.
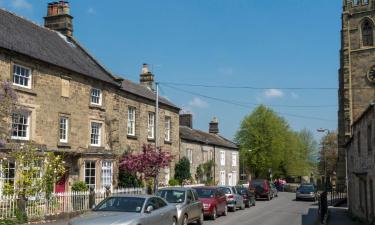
(197, 103)
(91, 10)
(21, 4)
(294, 95)
(273, 93)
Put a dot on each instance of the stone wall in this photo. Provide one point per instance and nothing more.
(56, 91)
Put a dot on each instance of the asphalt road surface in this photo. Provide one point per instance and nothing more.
(283, 210)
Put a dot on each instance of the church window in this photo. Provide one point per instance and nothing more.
(367, 33)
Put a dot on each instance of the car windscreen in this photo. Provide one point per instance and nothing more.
(257, 183)
(172, 196)
(307, 188)
(226, 190)
(121, 204)
(242, 191)
(205, 193)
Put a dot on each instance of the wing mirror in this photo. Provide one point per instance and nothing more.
(149, 209)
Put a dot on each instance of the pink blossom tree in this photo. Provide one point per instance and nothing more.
(146, 164)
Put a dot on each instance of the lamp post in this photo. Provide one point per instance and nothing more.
(243, 165)
(326, 131)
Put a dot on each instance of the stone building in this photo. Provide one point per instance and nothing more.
(361, 166)
(70, 104)
(357, 70)
(200, 147)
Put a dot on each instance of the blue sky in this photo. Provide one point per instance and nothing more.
(272, 44)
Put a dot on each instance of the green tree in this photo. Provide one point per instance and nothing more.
(328, 154)
(182, 170)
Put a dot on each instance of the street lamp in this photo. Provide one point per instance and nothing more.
(243, 166)
(322, 130)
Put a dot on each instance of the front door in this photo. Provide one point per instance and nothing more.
(60, 185)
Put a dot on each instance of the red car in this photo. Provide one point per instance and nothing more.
(261, 188)
(214, 201)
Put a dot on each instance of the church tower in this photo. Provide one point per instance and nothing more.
(357, 71)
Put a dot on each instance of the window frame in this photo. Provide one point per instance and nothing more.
(107, 174)
(151, 126)
(189, 155)
(99, 134)
(222, 177)
(27, 116)
(29, 78)
(167, 129)
(222, 158)
(234, 159)
(66, 129)
(131, 121)
(85, 175)
(92, 96)
(367, 33)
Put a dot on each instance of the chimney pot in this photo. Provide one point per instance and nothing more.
(58, 18)
(146, 77)
(214, 126)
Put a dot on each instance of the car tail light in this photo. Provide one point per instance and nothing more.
(265, 187)
(230, 196)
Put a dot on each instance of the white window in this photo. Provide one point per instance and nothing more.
(64, 123)
(167, 129)
(131, 121)
(90, 176)
(234, 159)
(7, 172)
(96, 133)
(167, 173)
(151, 125)
(234, 178)
(222, 158)
(20, 125)
(21, 76)
(96, 96)
(107, 174)
(222, 177)
(189, 155)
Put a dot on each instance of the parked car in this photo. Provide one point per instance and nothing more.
(234, 200)
(186, 200)
(248, 196)
(262, 189)
(130, 210)
(307, 192)
(274, 191)
(214, 201)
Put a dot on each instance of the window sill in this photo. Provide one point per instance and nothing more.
(63, 145)
(168, 142)
(132, 137)
(96, 148)
(151, 139)
(24, 90)
(99, 107)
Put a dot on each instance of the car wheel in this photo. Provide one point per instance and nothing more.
(248, 204)
(201, 219)
(225, 213)
(214, 214)
(185, 220)
(269, 198)
(174, 221)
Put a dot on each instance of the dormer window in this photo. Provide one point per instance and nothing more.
(96, 96)
(367, 33)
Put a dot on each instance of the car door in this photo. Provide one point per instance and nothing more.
(164, 211)
(153, 218)
(198, 206)
(221, 200)
(191, 205)
(237, 196)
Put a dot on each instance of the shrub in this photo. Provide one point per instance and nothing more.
(174, 182)
(182, 170)
(79, 186)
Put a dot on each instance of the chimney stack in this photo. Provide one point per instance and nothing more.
(58, 18)
(186, 120)
(214, 126)
(146, 77)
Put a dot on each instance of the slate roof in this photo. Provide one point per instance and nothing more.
(22, 36)
(144, 92)
(199, 136)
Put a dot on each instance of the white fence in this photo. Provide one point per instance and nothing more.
(57, 203)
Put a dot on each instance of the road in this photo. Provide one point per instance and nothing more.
(283, 210)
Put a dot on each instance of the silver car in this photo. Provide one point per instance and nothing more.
(234, 199)
(189, 208)
(306, 192)
(130, 210)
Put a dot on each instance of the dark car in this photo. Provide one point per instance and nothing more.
(248, 196)
(214, 201)
(261, 188)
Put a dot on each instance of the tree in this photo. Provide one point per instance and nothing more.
(269, 145)
(146, 165)
(328, 155)
(8, 99)
(182, 170)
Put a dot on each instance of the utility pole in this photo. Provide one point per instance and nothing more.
(156, 128)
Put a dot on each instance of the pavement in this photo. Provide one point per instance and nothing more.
(339, 216)
(283, 210)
